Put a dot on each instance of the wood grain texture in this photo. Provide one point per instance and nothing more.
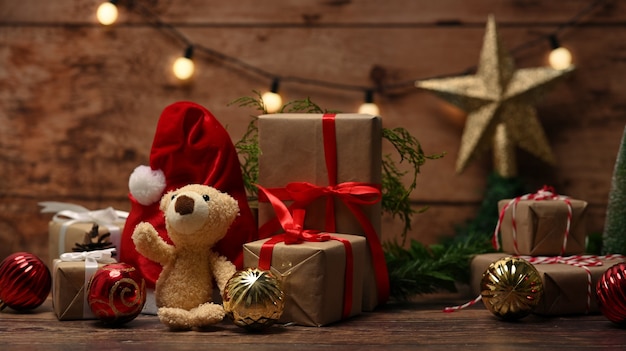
(399, 326)
(318, 12)
(79, 103)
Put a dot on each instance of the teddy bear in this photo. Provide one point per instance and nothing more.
(196, 218)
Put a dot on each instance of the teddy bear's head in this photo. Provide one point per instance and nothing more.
(198, 214)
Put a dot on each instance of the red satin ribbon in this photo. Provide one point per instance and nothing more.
(351, 194)
(295, 234)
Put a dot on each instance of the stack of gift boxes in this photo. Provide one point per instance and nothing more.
(330, 166)
(327, 167)
(549, 231)
(79, 242)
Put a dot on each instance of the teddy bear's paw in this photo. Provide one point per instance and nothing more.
(143, 235)
(176, 318)
(208, 314)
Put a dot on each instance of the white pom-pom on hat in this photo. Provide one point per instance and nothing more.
(146, 185)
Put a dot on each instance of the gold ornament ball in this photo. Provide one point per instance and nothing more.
(253, 299)
(511, 288)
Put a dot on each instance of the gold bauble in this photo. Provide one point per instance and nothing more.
(511, 288)
(253, 299)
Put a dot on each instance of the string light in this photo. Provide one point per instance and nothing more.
(107, 12)
(369, 107)
(271, 100)
(560, 57)
(183, 66)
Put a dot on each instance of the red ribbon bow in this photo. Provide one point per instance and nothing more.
(293, 226)
(296, 234)
(351, 194)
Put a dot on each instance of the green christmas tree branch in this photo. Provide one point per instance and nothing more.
(424, 269)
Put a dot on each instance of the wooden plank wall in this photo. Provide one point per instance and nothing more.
(79, 102)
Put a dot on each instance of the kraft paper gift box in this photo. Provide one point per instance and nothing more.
(69, 288)
(313, 279)
(292, 150)
(71, 227)
(541, 226)
(565, 286)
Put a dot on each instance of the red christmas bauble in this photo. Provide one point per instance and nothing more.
(116, 293)
(611, 293)
(25, 281)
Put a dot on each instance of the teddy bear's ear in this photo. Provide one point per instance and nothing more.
(230, 207)
(146, 185)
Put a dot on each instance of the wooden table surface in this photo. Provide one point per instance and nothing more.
(396, 326)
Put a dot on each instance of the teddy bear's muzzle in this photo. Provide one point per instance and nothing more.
(184, 205)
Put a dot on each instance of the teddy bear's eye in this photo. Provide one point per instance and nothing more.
(173, 196)
(206, 198)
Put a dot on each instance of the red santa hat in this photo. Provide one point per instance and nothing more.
(190, 146)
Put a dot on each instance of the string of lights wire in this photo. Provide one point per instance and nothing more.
(183, 68)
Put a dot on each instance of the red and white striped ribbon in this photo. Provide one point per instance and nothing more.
(465, 305)
(546, 193)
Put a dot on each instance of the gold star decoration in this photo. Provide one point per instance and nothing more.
(499, 101)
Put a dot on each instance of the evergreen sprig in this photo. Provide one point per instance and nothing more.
(248, 146)
(302, 106)
(396, 199)
(424, 269)
(249, 151)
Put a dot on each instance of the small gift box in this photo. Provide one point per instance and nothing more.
(542, 224)
(70, 278)
(72, 228)
(321, 273)
(313, 278)
(565, 284)
(332, 167)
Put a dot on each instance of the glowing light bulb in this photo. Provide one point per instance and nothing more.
(183, 66)
(272, 101)
(560, 58)
(107, 13)
(369, 108)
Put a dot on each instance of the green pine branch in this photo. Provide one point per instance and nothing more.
(396, 199)
(248, 147)
(424, 269)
